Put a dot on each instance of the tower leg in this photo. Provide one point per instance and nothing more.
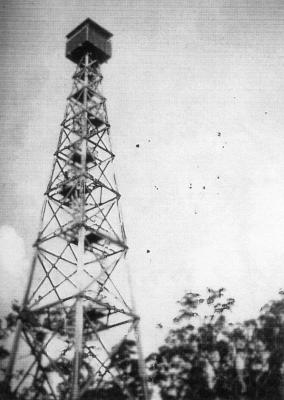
(141, 363)
(78, 337)
(12, 359)
(79, 318)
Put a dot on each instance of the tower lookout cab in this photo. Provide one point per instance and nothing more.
(88, 37)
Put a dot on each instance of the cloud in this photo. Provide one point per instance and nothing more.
(13, 267)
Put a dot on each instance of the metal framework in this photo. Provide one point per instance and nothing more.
(75, 314)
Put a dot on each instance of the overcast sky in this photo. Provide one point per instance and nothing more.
(199, 86)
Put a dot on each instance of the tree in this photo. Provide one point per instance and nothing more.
(181, 367)
(204, 357)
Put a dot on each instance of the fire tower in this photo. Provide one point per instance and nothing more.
(76, 319)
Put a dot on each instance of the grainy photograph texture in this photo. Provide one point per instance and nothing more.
(141, 207)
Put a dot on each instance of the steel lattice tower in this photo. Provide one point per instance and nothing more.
(75, 314)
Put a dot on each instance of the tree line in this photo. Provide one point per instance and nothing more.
(203, 355)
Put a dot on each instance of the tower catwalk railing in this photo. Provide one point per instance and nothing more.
(77, 329)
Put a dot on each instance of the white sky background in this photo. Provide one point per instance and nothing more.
(181, 72)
